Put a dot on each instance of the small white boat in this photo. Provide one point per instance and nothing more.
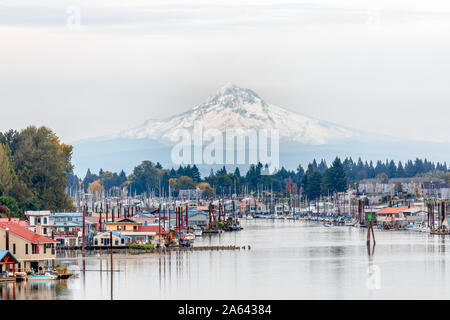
(249, 217)
(327, 224)
(198, 232)
(188, 236)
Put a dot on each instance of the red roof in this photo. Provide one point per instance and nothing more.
(393, 210)
(26, 234)
(123, 221)
(153, 228)
(22, 223)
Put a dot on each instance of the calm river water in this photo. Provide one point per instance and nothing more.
(287, 260)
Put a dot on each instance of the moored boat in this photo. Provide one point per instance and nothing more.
(46, 276)
(198, 232)
(188, 236)
(20, 276)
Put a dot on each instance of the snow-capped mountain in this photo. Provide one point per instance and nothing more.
(302, 138)
(232, 107)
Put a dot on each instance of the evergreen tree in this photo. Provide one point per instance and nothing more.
(195, 174)
(335, 179)
(237, 173)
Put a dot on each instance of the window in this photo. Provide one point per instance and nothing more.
(122, 241)
(45, 231)
(96, 242)
(117, 242)
(34, 248)
(26, 248)
(14, 248)
(45, 248)
(45, 220)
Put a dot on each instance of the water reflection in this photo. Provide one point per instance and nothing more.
(287, 260)
(33, 290)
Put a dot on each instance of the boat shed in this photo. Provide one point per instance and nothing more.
(7, 259)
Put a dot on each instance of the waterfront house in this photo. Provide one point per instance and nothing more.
(103, 239)
(123, 224)
(252, 207)
(132, 229)
(415, 214)
(68, 227)
(393, 215)
(198, 218)
(33, 250)
(39, 220)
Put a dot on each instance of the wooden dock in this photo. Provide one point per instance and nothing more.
(169, 249)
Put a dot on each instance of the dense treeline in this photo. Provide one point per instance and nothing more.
(36, 172)
(357, 171)
(33, 171)
(319, 179)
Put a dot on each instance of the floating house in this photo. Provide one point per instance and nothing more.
(68, 226)
(103, 239)
(134, 230)
(198, 218)
(392, 215)
(33, 250)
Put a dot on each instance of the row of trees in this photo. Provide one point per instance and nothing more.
(319, 179)
(359, 170)
(33, 171)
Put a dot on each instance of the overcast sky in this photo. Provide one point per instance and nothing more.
(379, 66)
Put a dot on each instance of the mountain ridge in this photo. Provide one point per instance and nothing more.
(233, 107)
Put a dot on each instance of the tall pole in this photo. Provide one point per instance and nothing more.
(111, 254)
(159, 219)
(84, 226)
(164, 218)
(53, 260)
(187, 219)
(7, 238)
(209, 212)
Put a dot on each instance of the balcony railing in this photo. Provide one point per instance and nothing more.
(66, 234)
